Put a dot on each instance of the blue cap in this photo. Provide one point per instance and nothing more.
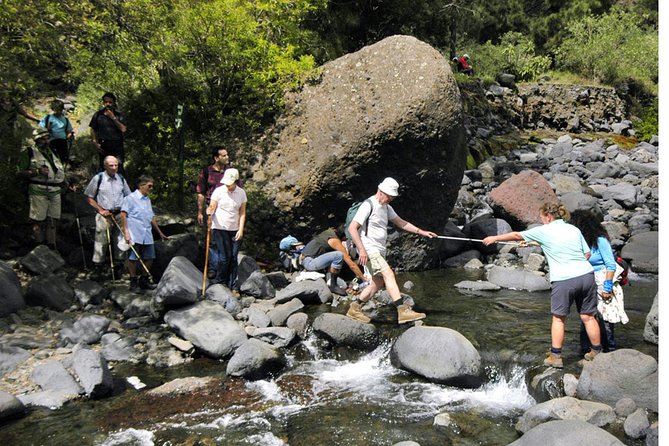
(288, 242)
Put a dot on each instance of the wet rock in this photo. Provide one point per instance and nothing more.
(299, 322)
(651, 329)
(255, 359)
(342, 330)
(566, 408)
(458, 363)
(478, 285)
(624, 373)
(258, 286)
(11, 299)
(10, 406)
(42, 260)
(517, 279)
(51, 291)
(566, 433)
(209, 327)
(462, 259)
(544, 384)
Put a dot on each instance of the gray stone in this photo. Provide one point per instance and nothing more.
(517, 279)
(53, 376)
(117, 348)
(566, 408)
(308, 291)
(625, 407)
(342, 330)
(11, 357)
(457, 364)
(93, 373)
(651, 329)
(255, 360)
(11, 299)
(209, 327)
(42, 260)
(298, 322)
(280, 314)
(10, 406)
(652, 434)
(89, 329)
(178, 245)
(463, 258)
(277, 336)
(180, 285)
(223, 295)
(51, 291)
(90, 292)
(258, 286)
(636, 424)
(623, 193)
(257, 315)
(478, 285)
(566, 433)
(642, 251)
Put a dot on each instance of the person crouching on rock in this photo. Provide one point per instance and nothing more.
(326, 251)
(572, 278)
(373, 216)
(138, 219)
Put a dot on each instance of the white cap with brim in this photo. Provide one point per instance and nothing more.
(40, 133)
(230, 176)
(389, 187)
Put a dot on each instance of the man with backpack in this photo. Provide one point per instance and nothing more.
(374, 214)
(108, 128)
(105, 193)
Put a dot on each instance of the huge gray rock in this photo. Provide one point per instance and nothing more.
(11, 299)
(42, 260)
(566, 408)
(567, 433)
(256, 359)
(342, 330)
(390, 109)
(652, 328)
(458, 363)
(517, 279)
(209, 327)
(624, 373)
(642, 251)
(180, 285)
(51, 291)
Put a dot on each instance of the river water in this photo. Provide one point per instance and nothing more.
(335, 396)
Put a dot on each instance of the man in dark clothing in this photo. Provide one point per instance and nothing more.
(108, 126)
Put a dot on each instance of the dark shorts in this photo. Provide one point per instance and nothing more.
(147, 252)
(581, 290)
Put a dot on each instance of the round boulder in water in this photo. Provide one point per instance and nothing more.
(438, 354)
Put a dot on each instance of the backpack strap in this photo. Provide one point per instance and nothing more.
(371, 209)
(99, 175)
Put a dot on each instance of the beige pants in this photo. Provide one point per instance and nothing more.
(101, 244)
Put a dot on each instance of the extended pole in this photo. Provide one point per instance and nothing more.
(206, 257)
(474, 240)
(133, 249)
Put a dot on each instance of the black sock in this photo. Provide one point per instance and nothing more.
(556, 351)
(397, 302)
(597, 348)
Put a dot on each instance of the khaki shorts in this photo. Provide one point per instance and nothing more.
(43, 206)
(376, 264)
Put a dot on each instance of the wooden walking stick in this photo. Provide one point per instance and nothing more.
(111, 254)
(206, 256)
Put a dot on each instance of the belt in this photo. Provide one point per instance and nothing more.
(44, 183)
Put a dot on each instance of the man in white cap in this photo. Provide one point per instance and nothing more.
(373, 217)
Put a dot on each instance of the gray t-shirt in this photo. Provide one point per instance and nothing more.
(374, 239)
(111, 191)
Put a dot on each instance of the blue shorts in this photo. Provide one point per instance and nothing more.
(581, 290)
(147, 252)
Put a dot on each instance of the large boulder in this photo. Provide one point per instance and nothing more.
(180, 285)
(209, 327)
(517, 279)
(342, 330)
(93, 373)
(567, 433)
(458, 363)
(50, 291)
(42, 260)
(624, 373)
(642, 251)
(256, 359)
(566, 408)
(10, 406)
(519, 198)
(11, 299)
(390, 109)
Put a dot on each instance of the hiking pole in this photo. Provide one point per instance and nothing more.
(206, 256)
(474, 240)
(133, 249)
(81, 240)
(111, 253)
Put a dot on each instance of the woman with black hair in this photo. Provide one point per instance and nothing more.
(610, 302)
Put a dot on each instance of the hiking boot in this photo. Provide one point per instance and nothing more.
(355, 312)
(553, 360)
(406, 314)
(591, 355)
(145, 283)
(134, 284)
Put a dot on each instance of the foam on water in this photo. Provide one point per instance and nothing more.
(134, 437)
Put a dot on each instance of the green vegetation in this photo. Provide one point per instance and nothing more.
(228, 62)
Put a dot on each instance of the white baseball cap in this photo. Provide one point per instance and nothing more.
(230, 176)
(389, 187)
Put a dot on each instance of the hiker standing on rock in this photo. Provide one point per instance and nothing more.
(108, 128)
(105, 193)
(138, 219)
(572, 278)
(326, 250)
(373, 215)
(209, 179)
(228, 211)
(46, 178)
(60, 130)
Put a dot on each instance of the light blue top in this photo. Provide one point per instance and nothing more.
(602, 255)
(140, 214)
(564, 248)
(60, 126)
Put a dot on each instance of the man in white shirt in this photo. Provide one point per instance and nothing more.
(373, 217)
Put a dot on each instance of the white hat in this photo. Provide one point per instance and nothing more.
(389, 187)
(40, 133)
(230, 176)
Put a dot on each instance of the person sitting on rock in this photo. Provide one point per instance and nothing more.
(464, 65)
(326, 251)
(374, 214)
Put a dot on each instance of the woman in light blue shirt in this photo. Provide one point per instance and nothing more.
(570, 272)
(610, 302)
